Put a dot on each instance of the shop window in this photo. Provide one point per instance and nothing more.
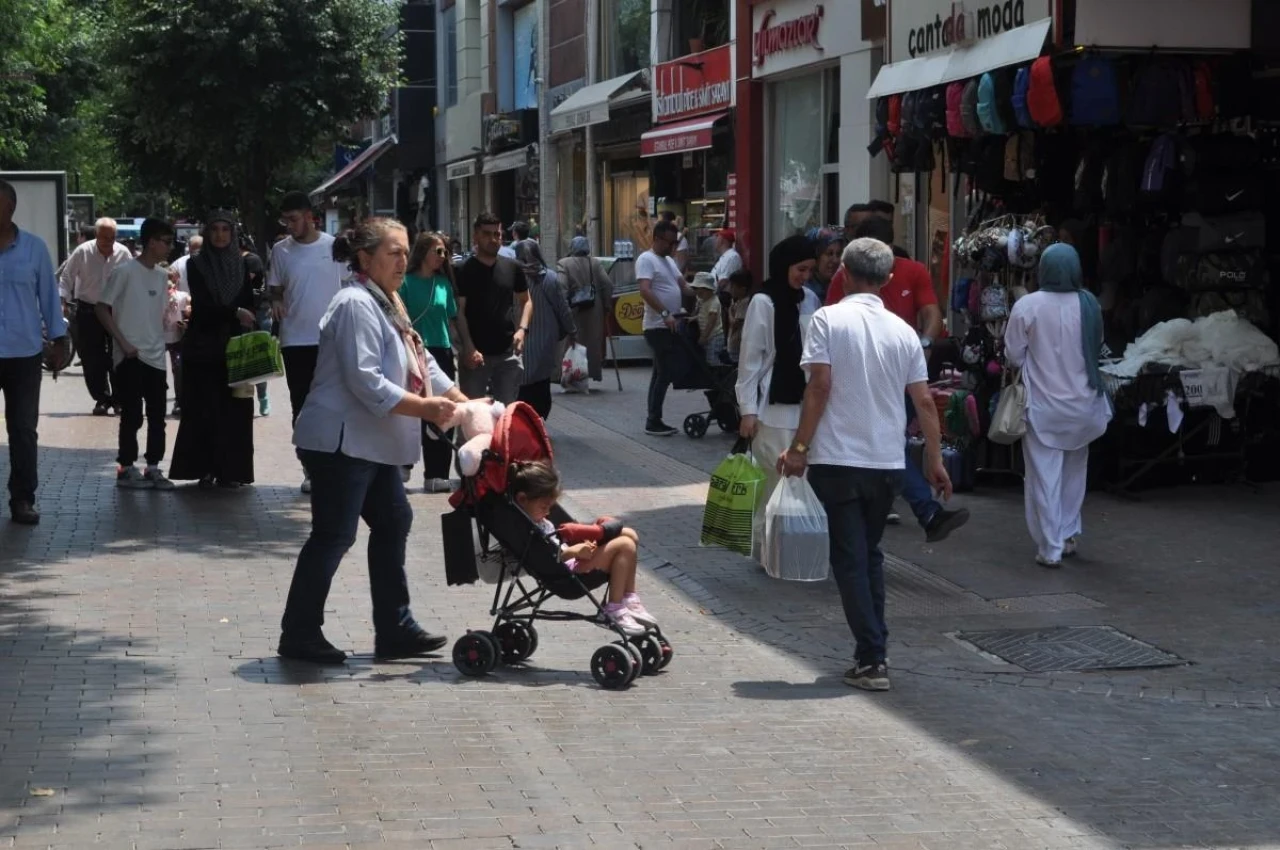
(624, 37)
(698, 25)
(450, 17)
(804, 165)
(626, 207)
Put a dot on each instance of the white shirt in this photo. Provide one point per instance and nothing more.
(86, 270)
(755, 361)
(360, 375)
(138, 296)
(730, 263)
(180, 266)
(665, 277)
(310, 278)
(1043, 337)
(507, 251)
(873, 356)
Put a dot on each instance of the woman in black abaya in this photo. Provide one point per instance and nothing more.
(215, 436)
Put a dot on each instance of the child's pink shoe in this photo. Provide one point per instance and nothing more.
(620, 616)
(638, 611)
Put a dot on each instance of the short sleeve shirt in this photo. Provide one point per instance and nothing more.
(664, 275)
(490, 295)
(138, 297)
(910, 289)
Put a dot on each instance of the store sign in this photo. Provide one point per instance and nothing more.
(790, 34)
(628, 311)
(694, 139)
(693, 85)
(460, 170)
(921, 27)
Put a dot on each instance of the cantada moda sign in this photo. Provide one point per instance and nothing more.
(693, 85)
(917, 32)
(771, 38)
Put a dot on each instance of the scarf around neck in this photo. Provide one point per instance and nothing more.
(786, 385)
(222, 268)
(415, 353)
(1060, 271)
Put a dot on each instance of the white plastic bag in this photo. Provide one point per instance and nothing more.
(573, 369)
(795, 533)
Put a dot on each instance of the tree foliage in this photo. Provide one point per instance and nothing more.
(217, 98)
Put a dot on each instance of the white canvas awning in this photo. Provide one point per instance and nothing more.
(1012, 47)
(590, 105)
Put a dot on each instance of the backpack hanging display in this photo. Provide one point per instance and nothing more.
(1206, 109)
(1157, 98)
(988, 114)
(1003, 79)
(1088, 179)
(1123, 177)
(1223, 194)
(894, 122)
(1095, 93)
(931, 113)
(1221, 270)
(1043, 102)
(955, 97)
(1160, 175)
(1021, 88)
(969, 110)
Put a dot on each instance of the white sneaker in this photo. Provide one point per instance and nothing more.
(306, 483)
(622, 618)
(441, 485)
(894, 519)
(157, 479)
(641, 614)
(130, 478)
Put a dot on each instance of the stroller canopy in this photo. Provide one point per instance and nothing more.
(518, 435)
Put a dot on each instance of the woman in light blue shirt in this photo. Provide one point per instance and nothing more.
(374, 385)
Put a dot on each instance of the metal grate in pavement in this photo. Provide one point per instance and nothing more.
(1069, 648)
(1046, 603)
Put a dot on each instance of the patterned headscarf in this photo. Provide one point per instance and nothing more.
(221, 268)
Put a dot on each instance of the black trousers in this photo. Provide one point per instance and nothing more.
(538, 396)
(299, 371)
(95, 353)
(20, 384)
(138, 384)
(437, 457)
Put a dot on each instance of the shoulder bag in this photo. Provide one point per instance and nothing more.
(1009, 423)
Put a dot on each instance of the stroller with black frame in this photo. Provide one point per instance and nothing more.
(691, 371)
(529, 572)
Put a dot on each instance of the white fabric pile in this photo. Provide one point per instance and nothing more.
(1223, 339)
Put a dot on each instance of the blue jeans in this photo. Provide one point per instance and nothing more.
(857, 502)
(345, 490)
(915, 488)
(663, 343)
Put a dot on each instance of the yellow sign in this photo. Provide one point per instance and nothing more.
(629, 312)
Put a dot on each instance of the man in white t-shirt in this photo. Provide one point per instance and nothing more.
(180, 265)
(861, 358)
(131, 309)
(302, 280)
(663, 289)
(729, 260)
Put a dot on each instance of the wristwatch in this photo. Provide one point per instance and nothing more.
(666, 314)
(926, 342)
(799, 447)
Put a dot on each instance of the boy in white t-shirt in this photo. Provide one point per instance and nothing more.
(132, 310)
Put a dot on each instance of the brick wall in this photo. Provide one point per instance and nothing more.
(568, 42)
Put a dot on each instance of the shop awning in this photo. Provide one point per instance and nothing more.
(1012, 47)
(506, 161)
(681, 136)
(590, 105)
(356, 167)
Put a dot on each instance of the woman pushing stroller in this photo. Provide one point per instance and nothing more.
(535, 487)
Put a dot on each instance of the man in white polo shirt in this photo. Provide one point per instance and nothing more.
(861, 358)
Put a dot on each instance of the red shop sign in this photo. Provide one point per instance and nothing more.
(693, 85)
(774, 38)
(688, 140)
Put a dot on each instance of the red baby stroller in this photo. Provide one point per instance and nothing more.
(529, 573)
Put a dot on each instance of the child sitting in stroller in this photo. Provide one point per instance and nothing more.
(535, 487)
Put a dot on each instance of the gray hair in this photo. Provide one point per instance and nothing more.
(868, 260)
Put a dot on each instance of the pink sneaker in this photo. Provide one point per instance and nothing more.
(639, 612)
(622, 618)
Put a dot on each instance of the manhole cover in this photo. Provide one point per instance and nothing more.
(1066, 648)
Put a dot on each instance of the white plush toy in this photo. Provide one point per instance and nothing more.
(477, 420)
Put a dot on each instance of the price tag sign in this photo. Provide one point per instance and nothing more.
(1207, 387)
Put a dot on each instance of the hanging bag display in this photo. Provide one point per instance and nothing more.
(796, 546)
(1009, 422)
(735, 494)
(252, 358)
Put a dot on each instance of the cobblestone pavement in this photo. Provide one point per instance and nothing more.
(142, 707)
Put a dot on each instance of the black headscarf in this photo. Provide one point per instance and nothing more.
(787, 383)
(221, 268)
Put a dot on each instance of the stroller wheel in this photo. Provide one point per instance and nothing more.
(475, 654)
(612, 667)
(637, 660)
(695, 425)
(516, 641)
(667, 652)
(650, 653)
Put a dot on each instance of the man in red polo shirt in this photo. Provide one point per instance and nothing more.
(909, 295)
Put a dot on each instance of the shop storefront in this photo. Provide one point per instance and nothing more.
(511, 166)
(815, 66)
(466, 198)
(1144, 144)
(690, 150)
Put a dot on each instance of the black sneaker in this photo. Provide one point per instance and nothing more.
(410, 641)
(943, 523)
(102, 409)
(317, 650)
(23, 513)
(868, 677)
(659, 429)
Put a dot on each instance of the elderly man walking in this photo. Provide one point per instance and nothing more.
(861, 358)
(82, 279)
(29, 309)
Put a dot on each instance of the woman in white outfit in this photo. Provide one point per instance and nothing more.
(1055, 336)
(770, 381)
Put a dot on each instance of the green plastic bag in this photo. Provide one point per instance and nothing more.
(735, 494)
(253, 358)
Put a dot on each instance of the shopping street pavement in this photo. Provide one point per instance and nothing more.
(142, 707)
